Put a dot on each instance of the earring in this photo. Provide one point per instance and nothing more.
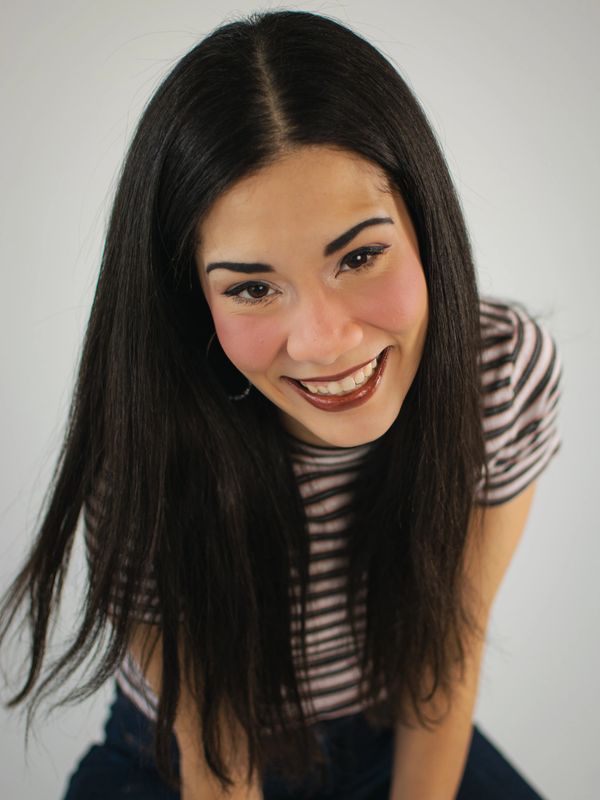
(246, 391)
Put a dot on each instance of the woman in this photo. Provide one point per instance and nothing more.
(304, 446)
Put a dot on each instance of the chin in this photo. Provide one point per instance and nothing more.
(351, 435)
(352, 440)
(351, 428)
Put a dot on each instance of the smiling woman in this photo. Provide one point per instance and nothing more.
(291, 579)
(323, 311)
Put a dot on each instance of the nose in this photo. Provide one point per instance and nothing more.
(322, 330)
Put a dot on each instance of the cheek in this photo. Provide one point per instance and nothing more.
(250, 344)
(397, 300)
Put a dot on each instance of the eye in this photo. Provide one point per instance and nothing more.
(250, 292)
(363, 258)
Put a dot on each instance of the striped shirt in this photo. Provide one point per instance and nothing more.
(520, 373)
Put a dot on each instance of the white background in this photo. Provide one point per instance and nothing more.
(512, 90)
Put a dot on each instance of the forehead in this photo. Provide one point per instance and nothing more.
(309, 192)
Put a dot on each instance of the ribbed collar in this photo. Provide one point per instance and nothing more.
(325, 455)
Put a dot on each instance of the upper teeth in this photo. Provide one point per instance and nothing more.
(347, 384)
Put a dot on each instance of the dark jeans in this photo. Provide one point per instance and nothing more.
(359, 765)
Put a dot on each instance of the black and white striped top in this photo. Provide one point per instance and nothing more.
(520, 372)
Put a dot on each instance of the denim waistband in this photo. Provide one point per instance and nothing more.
(358, 758)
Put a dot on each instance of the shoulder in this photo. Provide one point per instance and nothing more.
(520, 372)
(518, 355)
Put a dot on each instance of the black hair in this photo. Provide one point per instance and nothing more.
(199, 491)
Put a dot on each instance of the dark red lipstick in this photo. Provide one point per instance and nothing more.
(349, 400)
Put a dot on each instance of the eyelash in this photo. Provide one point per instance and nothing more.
(371, 252)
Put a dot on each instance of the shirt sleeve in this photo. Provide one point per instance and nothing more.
(521, 375)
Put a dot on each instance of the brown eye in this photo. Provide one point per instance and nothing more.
(257, 290)
(357, 259)
(251, 292)
(364, 257)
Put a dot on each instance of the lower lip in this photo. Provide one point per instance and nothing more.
(330, 402)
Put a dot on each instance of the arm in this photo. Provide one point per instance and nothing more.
(428, 765)
(197, 780)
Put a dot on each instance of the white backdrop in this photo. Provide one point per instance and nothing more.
(512, 90)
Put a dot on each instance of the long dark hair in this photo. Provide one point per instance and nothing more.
(201, 490)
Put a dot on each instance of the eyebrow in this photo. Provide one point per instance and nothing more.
(332, 247)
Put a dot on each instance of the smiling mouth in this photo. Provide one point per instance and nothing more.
(346, 385)
(339, 395)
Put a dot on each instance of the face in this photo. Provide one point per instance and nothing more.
(311, 270)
